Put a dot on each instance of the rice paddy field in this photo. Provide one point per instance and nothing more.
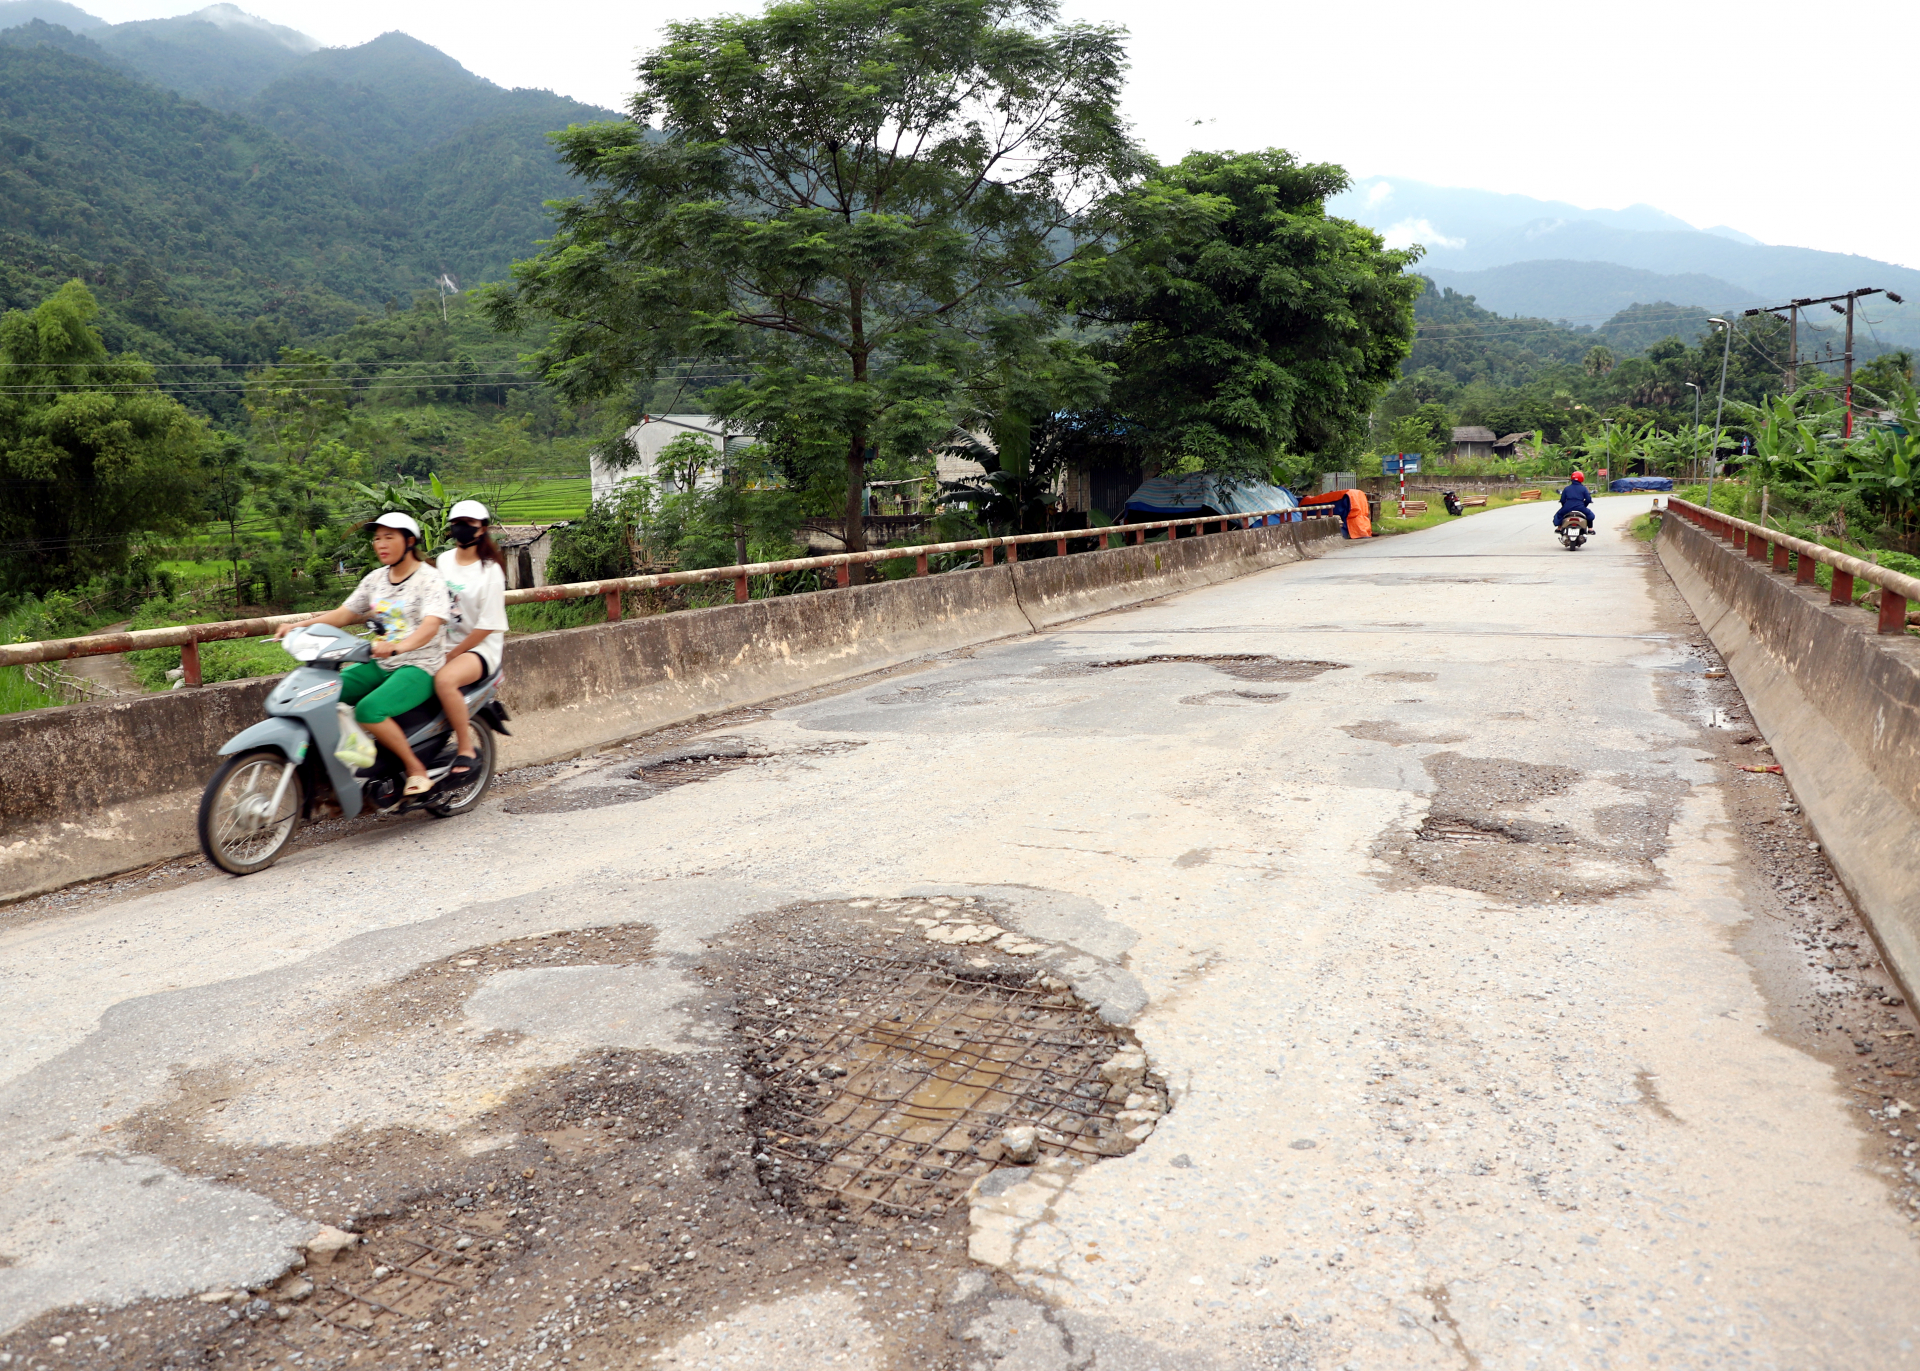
(543, 500)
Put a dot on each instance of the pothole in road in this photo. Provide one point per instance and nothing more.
(599, 1209)
(1396, 734)
(1245, 666)
(893, 1077)
(702, 760)
(1235, 698)
(1470, 838)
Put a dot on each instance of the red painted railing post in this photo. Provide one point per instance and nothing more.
(1842, 592)
(190, 663)
(1756, 547)
(741, 591)
(1013, 552)
(1173, 532)
(613, 606)
(1893, 612)
(1780, 555)
(843, 575)
(986, 555)
(1804, 570)
(920, 565)
(1060, 550)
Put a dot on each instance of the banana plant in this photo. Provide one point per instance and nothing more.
(427, 504)
(1883, 465)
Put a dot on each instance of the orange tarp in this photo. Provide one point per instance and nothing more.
(1358, 524)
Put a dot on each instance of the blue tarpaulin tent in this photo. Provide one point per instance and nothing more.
(1169, 497)
(1642, 483)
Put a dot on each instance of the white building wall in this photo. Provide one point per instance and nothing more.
(648, 438)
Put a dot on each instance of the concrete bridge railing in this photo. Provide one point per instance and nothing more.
(94, 789)
(1835, 689)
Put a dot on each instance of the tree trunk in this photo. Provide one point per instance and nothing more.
(855, 529)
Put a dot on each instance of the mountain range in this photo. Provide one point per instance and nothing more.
(1548, 259)
(226, 185)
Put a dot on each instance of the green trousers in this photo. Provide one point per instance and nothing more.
(377, 694)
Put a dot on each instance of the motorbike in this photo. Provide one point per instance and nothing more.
(1573, 531)
(282, 770)
(1452, 503)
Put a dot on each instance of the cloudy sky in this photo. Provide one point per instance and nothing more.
(1709, 111)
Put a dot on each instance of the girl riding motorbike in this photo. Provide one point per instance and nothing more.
(476, 578)
(407, 603)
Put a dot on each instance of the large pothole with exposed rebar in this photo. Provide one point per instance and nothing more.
(896, 1074)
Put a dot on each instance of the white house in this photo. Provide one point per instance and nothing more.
(651, 435)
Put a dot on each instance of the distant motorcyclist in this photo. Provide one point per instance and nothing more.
(1575, 498)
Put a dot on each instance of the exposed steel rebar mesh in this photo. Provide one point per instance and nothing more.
(886, 1080)
(421, 1267)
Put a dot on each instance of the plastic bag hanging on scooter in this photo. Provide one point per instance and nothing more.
(356, 749)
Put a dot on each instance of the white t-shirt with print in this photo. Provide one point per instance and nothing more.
(397, 610)
(479, 593)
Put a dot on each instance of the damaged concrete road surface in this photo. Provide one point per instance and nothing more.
(1380, 961)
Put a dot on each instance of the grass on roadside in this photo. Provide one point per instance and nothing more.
(16, 691)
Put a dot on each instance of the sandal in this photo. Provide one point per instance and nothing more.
(417, 785)
(462, 769)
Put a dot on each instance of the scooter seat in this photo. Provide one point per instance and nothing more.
(418, 717)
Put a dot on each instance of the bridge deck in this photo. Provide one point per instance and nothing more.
(1500, 1013)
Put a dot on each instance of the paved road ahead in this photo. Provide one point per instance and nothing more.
(1529, 1117)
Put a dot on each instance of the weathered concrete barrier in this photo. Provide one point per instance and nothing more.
(1840, 705)
(90, 790)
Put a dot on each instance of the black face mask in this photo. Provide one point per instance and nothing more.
(465, 534)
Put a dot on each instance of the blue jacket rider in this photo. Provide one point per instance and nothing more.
(1575, 496)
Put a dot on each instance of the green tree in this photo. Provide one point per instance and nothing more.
(91, 453)
(849, 194)
(1254, 322)
(295, 402)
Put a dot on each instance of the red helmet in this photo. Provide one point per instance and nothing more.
(1580, 477)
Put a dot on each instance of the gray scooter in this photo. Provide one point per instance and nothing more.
(282, 769)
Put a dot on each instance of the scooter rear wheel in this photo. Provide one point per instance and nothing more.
(241, 829)
(448, 802)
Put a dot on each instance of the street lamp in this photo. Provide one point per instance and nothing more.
(1719, 408)
(1696, 425)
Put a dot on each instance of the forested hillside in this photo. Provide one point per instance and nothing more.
(333, 183)
(1472, 366)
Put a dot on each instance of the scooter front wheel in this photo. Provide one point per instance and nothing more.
(249, 810)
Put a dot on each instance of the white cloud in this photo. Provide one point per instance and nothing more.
(1410, 231)
(1379, 191)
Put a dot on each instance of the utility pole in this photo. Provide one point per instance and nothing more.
(1793, 346)
(1713, 455)
(1793, 336)
(1696, 426)
(1848, 364)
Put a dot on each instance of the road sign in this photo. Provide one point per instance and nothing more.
(1408, 464)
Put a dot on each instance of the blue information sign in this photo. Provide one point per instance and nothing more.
(1408, 463)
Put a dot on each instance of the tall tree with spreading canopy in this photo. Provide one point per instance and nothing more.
(1254, 322)
(91, 452)
(852, 195)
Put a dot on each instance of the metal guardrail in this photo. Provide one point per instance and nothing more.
(1775, 548)
(188, 637)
